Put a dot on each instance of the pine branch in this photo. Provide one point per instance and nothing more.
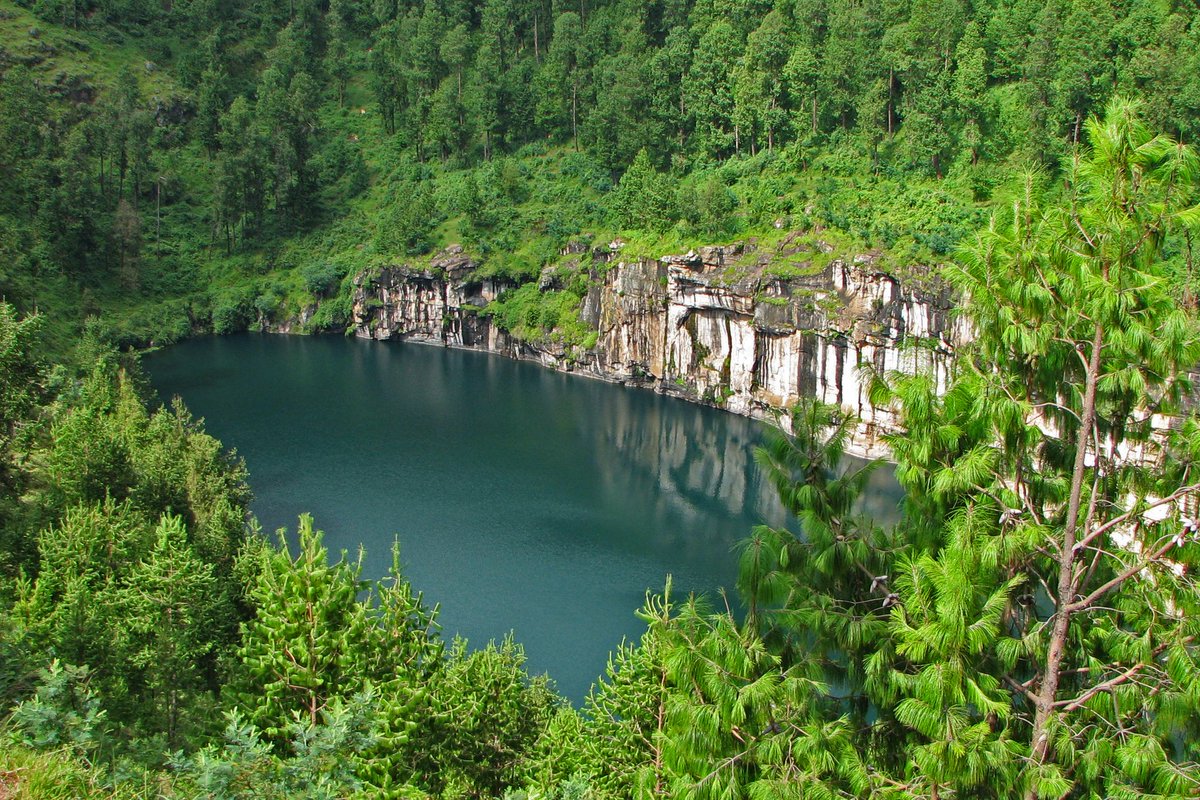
(1079, 605)
(1072, 705)
(1022, 688)
(727, 763)
(1117, 521)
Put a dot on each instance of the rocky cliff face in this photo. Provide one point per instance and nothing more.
(748, 329)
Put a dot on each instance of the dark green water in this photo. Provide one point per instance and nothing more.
(523, 499)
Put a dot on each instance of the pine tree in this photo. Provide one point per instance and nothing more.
(740, 723)
(644, 197)
(304, 646)
(172, 604)
(403, 657)
(490, 715)
(934, 670)
(627, 710)
(708, 90)
(1044, 443)
(821, 595)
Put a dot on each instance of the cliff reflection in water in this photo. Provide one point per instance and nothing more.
(693, 460)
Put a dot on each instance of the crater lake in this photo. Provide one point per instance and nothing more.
(523, 499)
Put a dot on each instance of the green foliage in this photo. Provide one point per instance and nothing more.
(644, 198)
(626, 710)
(320, 279)
(132, 522)
(535, 315)
(110, 446)
(825, 579)
(64, 713)
(20, 373)
(329, 133)
(490, 715)
(940, 685)
(407, 229)
(21, 388)
(58, 775)
(135, 604)
(1027, 630)
(316, 643)
(1022, 610)
(231, 311)
(320, 764)
(296, 653)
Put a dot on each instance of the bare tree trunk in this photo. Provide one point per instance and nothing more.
(1065, 595)
(890, 109)
(682, 113)
(462, 123)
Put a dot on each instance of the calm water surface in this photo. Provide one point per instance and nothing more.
(523, 499)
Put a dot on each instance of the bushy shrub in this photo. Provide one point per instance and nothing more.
(529, 313)
(321, 277)
(64, 712)
(231, 311)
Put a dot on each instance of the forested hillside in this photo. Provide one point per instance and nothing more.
(194, 166)
(1027, 629)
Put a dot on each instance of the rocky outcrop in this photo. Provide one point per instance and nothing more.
(745, 328)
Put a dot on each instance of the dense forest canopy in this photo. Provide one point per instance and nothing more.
(1029, 627)
(213, 166)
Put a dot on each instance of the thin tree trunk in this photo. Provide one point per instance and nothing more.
(660, 723)
(682, 113)
(1048, 691)
(890, 111)
(1189, 294)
